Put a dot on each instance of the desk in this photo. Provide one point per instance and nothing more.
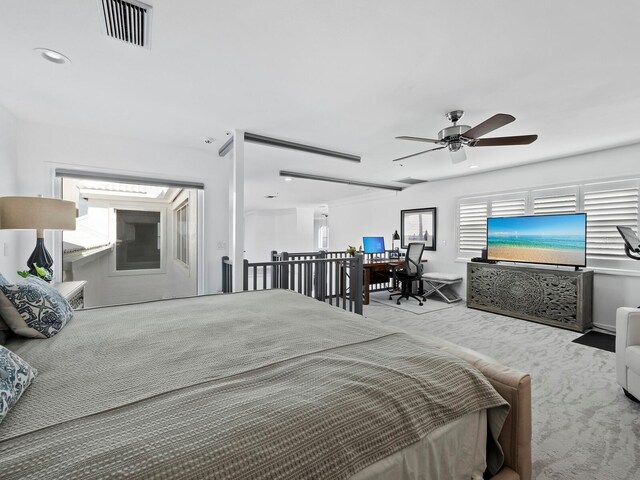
(378, 272)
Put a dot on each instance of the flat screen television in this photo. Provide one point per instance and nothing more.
(546, 239)
(373, 244)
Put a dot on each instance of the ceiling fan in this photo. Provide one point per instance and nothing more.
(457, 136)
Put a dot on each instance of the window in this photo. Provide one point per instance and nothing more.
(323, 237)
(137, 240)
(181, 215)
(473, 213)
(472, 232)
(552, 201)
(608, 205)
(508, 208)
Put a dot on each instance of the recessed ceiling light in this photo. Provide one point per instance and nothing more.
(288, 179)
(52, 55)
(473, 166)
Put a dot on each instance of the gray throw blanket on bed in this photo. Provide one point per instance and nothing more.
(259, 385)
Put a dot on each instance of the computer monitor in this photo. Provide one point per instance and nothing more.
(373, 244)
(630, 238)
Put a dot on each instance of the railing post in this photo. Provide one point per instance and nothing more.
(320, 279)
(274, 270)
(284, 272)
(226, 281)
(245, 279)
(356, 284)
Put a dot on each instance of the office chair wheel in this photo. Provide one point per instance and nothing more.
(398, 302)
(420, 304)
(390, 297)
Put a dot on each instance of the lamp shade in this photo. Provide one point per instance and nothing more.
(396, 236)
(37, 213)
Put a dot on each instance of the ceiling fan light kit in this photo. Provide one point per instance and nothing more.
(455, 137)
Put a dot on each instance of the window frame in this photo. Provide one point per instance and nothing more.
(488, 200)
(325, 229)
(183, 206)
(143, 207)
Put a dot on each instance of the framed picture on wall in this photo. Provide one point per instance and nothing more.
(418, 225)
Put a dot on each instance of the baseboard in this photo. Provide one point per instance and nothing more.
(606, 328)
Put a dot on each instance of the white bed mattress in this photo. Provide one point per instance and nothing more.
(453, 451)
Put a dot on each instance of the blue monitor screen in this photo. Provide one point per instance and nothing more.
(373, 244)
(551, 239)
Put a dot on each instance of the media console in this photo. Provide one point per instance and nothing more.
(555, 297)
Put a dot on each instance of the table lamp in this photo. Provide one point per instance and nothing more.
(393, 240)
(39, 214)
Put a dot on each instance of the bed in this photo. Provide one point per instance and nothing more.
(266, 384)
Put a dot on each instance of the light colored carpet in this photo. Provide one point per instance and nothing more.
(583, 425)
(410, 305)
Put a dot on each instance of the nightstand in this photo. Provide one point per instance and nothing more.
(73, 292)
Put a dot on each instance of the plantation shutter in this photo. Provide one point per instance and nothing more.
(472, 226)
(508, 208)
(555, 201)
(608, 205)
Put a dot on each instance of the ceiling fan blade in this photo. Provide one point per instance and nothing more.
(500, 141)
(418, 139)
(419, 153)
(459, 156)
(489, 125)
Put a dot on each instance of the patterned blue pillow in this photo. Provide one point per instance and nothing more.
(15, 376)
(34, 309)
(4, 329)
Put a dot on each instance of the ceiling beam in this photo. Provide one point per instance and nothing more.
(306, 176)
(226, 148)
(276, 142)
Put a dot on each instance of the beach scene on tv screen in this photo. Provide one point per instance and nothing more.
(558, 239)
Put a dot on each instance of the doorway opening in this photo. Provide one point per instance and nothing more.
(133, 242)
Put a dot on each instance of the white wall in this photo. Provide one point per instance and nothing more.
(41, 148)
(9, 261)
(380, 214)
(288, 230)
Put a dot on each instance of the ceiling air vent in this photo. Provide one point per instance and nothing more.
(129, 21)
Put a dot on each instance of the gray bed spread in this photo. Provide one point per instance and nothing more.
(259, 385)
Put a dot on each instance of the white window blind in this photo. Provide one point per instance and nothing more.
(472, 226)
(606, 209)
(555, 204)
(508, 208)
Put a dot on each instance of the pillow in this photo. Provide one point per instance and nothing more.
(34, 309)
(15, 376)
(4, 328)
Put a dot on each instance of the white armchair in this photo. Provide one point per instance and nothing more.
(628, 351)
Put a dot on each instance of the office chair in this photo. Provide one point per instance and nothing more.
(411, 272)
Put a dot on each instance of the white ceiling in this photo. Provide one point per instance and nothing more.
(347, 76)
